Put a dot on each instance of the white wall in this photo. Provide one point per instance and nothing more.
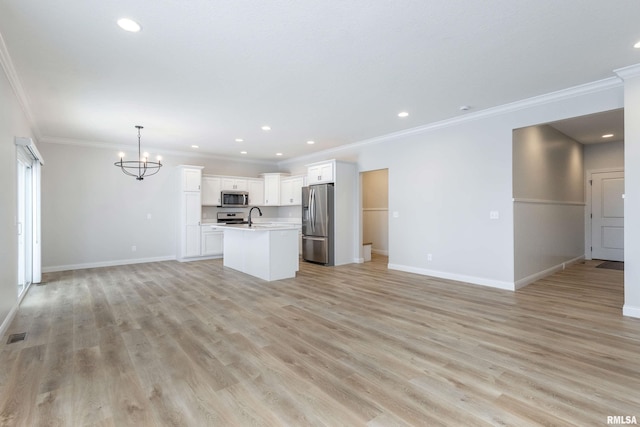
(632, 192)
(12, 123)
(93, 214)
(548, 192)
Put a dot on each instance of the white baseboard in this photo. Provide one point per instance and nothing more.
(451, 276)
(199, 258)
(631, 311)
(380, 252)
(55, 268)
(12, 313)
(8, 320)
(521, 283)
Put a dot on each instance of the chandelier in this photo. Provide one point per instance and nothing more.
(141, 167)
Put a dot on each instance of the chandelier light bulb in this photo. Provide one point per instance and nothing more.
(121, 154)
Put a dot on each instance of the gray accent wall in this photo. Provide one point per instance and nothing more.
(604, 156)
(548, 192)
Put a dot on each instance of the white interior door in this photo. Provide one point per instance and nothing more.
(607, 211)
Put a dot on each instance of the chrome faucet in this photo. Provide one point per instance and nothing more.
(251, 210)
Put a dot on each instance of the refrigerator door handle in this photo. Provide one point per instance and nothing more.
(313, 238)
(312, 208)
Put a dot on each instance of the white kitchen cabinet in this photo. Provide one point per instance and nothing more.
(320, 173)
(272, 188)
(190, 212)
(211, 188)
(212, 241)
(236, 184)
(256, 192)
(191, 178)
(291, 191)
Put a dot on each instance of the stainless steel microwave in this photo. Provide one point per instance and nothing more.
(234, 199)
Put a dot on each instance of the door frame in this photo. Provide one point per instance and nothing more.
(587, 212)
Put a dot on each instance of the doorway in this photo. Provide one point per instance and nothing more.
(375, 211)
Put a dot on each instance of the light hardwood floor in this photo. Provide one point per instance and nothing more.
(196, 344)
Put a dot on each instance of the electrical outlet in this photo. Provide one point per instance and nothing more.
(494, 215)
(429, 257)
(133, 249)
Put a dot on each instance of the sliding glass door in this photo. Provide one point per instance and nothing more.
(25, 224)
(28, 168)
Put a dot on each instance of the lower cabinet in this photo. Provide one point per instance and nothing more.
(212, 241)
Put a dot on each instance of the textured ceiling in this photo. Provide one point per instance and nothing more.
(207, 72)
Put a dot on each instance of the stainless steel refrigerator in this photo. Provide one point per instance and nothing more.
(317, 223)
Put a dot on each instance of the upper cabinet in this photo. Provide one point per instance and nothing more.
(232, 183)
(272, 188)
(191, 178)
(320, 173)
(213, 185)
(291, 191)
(211, 188)
(256, 191)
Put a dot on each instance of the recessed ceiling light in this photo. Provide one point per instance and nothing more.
(195, 146)
(129, 25)
(243, 152)
(608, 135)
(266, 128)
(239, 140)
(403, 114)
(311, 142)
(637, 45)
(278, 154)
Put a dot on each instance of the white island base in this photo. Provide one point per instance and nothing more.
(269, 253)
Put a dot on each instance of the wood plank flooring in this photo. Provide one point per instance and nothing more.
(195, 344)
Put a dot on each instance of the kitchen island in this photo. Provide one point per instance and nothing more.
(266, 251)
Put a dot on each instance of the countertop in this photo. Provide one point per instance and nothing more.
(260, 226)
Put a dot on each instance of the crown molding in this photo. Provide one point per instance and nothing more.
(130, 147)
(16, 85)
(572, 92)
(628, 72)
